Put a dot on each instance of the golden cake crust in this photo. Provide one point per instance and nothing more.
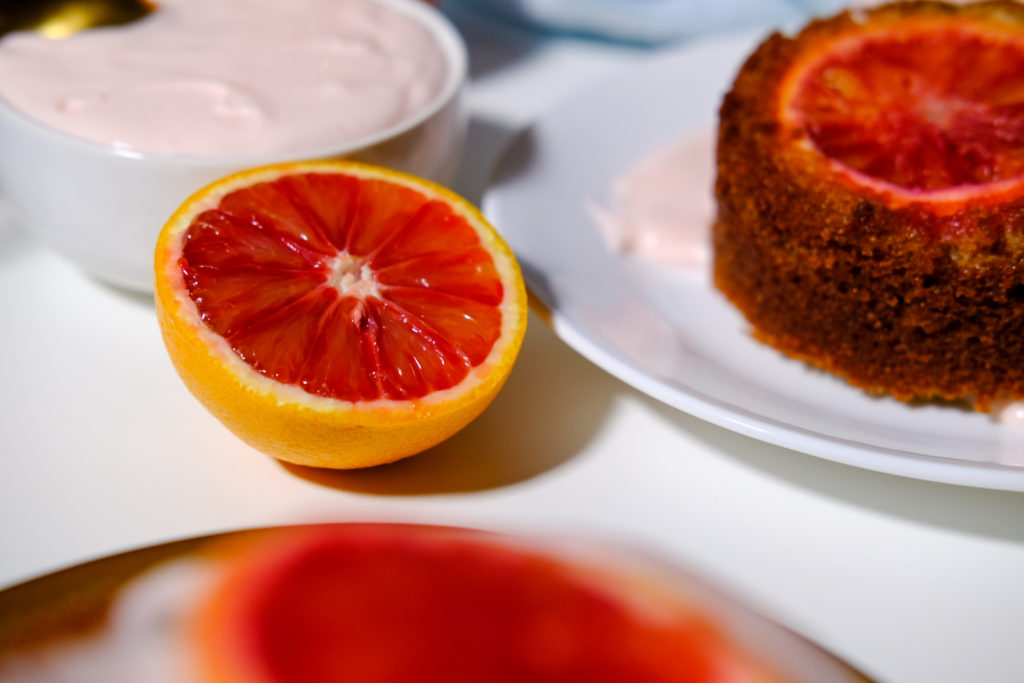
(916, 299)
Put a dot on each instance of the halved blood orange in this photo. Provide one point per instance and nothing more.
(337, 314)
(403, 604)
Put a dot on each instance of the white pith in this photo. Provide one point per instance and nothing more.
(351, 276)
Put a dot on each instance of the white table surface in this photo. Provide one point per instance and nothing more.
(103, 450)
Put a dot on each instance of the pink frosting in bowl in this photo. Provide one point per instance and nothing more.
(105, 133)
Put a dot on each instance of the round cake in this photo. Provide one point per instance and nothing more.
(870, 198)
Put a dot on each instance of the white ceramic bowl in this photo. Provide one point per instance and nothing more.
(103, 207)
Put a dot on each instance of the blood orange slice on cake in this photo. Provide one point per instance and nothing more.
(336, 314)
(925, 107)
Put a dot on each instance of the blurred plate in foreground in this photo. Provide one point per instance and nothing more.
(391, 603)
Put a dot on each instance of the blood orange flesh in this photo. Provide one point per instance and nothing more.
(931, 105)
(352, 288)
(381, 604)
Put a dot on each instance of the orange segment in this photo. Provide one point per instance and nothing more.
(922, 107)
(371, 310)
(394, 604)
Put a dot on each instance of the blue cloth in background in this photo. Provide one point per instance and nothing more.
(655, 21)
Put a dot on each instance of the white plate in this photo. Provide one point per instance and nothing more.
(668, 332)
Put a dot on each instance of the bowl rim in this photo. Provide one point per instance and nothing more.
(441, 29)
